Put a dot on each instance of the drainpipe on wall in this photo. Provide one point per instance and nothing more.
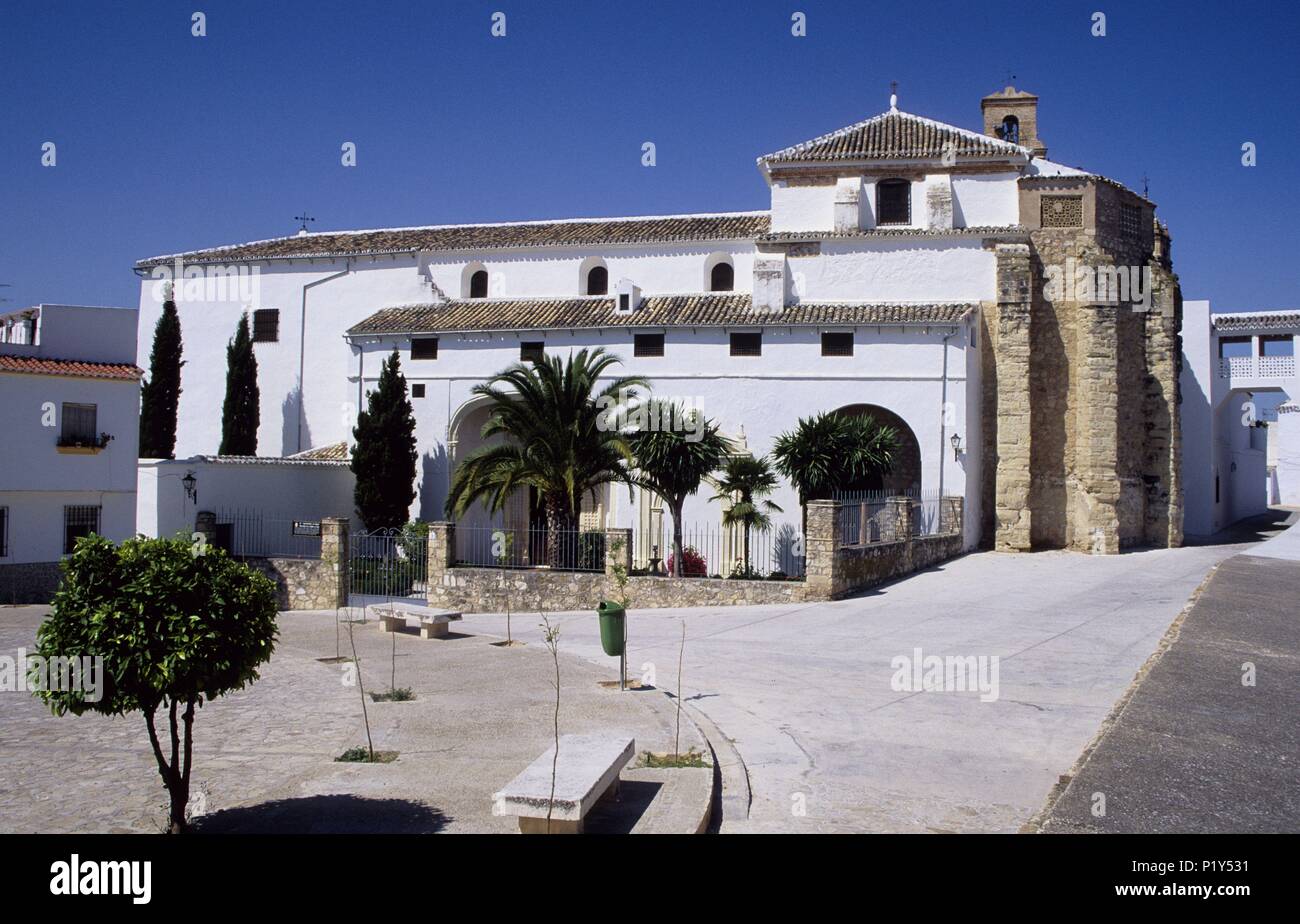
(302, 342)
(943, 409)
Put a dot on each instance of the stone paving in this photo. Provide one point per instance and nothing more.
(264, 756)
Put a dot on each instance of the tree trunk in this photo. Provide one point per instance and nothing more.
(745, 558)
(677, 537)
(557, 528)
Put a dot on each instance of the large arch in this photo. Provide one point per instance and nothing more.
(906, 474)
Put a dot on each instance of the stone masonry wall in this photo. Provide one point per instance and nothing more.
(29, 583)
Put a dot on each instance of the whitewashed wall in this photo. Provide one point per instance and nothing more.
(278, 491)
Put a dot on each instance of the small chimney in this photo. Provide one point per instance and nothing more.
(1012, 115)
(627, 297)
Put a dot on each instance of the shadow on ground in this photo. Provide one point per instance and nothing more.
(337, 814)
(1252, 529)
(619, 814)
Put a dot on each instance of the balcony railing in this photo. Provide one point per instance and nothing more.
(1264, 367)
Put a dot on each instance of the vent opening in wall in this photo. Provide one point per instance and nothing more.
(746, 344)
(837, 343)
(417, 390)
(424, 348)
(1061, 212)
(532, 351)
(266, 325)
(648, 345)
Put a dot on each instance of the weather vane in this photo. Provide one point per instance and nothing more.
(304, 218)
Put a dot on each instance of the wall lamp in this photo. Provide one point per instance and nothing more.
(955, 440)
(191, 486)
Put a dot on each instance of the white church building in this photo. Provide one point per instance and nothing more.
(858, 287)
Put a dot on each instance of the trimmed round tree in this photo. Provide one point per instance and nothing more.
(176, 624)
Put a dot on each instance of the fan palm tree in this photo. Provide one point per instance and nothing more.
(673, 460)
(561, 438)
(746, 482)
(828, 451)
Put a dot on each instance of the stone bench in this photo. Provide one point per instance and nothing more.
(433, 623)
(586, 772)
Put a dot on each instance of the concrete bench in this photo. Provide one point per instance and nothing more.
(586, 772)
(392, 618)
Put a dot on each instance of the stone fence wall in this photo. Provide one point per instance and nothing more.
(312, 583)
(833, 570)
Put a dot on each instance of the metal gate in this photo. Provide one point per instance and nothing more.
(388, 564)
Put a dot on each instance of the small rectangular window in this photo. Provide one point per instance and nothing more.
(893, 202)
(417, 390)
(4, 532)
(648, 345)
(266, 325)
(424, 348)
(532, 351)
(78, 521)
(837, 344)
(80, 425)
(747, 344)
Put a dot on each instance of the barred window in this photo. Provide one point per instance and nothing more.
(893, 202)
(1061, 212)
(78, 521)
(648, 345)
(837, 344)
(1130, 220)
(424, 348)
(532, 351)
(747, 344)
(80, 425)
(417, 390)
(266, 325)
(4, 532)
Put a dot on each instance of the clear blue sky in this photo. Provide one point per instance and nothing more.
(167, 142)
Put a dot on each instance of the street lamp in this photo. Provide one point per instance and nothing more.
(955, 440)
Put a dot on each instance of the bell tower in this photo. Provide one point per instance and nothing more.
(1012, 115)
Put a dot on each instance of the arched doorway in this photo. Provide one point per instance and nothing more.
(905, 476)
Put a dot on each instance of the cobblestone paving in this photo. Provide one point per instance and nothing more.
(264, 757)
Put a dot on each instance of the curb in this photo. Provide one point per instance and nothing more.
(731, 792)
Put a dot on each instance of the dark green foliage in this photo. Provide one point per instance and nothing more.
(384, 457)
(746, 482)
(176, 625)
(161, 394)
(241, 412)
(673, 461)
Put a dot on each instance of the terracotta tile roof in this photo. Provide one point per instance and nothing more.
(897, 136)
(37, 365)
(979, 231)
(1268, 320)
(335, 452)
(711, 310)
(571, 233)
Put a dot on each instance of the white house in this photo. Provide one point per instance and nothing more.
(1241, 420)
(864, 285)
(69, 434)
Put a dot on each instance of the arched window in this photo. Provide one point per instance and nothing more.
(478, 284)
(722, 278)
(893, 202)
(1010, 130)
(598, 281)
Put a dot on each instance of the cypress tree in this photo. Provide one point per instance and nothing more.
(384, 457)
(161, 395)
(240, 412)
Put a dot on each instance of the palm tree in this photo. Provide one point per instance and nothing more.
(746, 482)
(673, 460)
(828, 451)
(562, 438)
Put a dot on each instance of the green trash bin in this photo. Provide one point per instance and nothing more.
(612, 630)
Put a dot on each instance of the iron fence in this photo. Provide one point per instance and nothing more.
(713, 550)
(868, 517)
(256, 534)
(534, 547)
(388, 564)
